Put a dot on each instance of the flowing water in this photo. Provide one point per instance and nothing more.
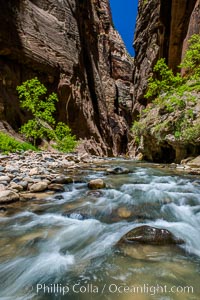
(64, 246)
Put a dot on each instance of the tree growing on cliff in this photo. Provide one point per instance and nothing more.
(165, 80)
(191, 61)
(173, 100)
(32, 95)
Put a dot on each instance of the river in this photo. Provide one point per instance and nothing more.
(64, 246)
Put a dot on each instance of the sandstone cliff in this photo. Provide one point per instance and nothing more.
(73, 48)
(163, 30)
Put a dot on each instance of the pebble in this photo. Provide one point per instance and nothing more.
(34, 171)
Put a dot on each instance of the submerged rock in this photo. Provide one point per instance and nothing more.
(95, 193)
(154, 253)
(118, 170)
(3, 209)
(59, 197)
(124, 213)
(96, 184)
(150, 235)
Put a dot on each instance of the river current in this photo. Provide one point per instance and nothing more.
(64, 246)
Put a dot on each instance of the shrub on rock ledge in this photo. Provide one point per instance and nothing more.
(32, 95)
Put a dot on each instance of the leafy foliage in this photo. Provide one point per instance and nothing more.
(66, 142)
(173, 98)
(191, 61)
(9, 144)
(165, 80)
(32, 95)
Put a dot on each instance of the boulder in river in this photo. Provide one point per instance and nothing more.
(62, 179)
(150, 235)
(56, 187)
(96, 184)
(78, 216)
(118, 170)
(8, 196)
(95, 193)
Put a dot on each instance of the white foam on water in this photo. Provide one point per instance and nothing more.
(72, 244)
(185, 228)
(26, 272)
(112, 196)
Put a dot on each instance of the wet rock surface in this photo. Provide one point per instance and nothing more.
(96, 184)
(150, 235)
(118, 170)
(78, 216)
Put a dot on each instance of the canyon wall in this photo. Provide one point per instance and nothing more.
(72, 47)
(162, 30)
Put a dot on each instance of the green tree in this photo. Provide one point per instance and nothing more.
(32, 95)
(65, 141)
(163, 80)
(191, 61)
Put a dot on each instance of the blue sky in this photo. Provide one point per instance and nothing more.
(124, 14)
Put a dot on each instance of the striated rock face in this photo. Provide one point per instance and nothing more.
(163, 30)
(73, 49)
(194, 25)
(162, 26)
(146, 45)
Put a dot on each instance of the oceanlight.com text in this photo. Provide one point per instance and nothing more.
(112, 288)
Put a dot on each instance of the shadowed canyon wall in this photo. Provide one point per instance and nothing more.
(74, 50)
(162, 30)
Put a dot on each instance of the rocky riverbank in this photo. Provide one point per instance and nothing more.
(30, 174)
(190, 166)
